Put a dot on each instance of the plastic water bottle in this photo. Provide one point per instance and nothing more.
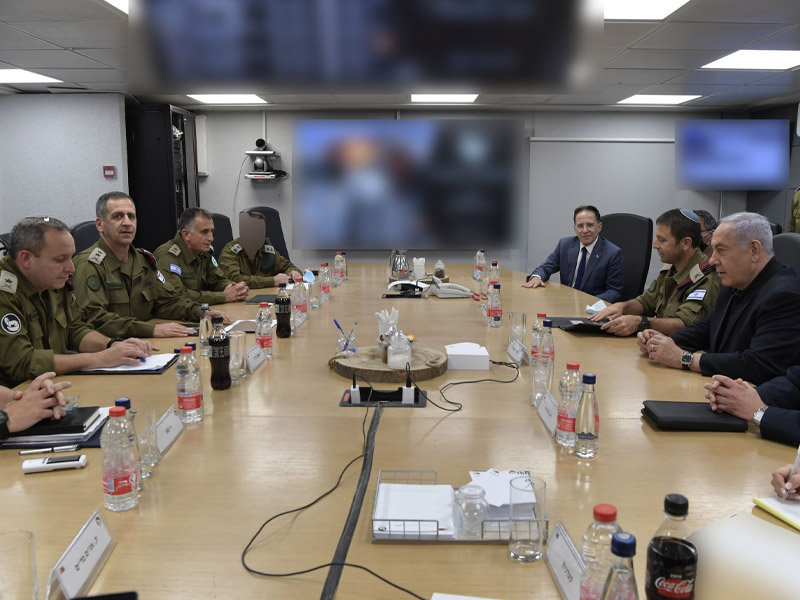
(190, 392)
(596, 551)
(264, 328)
(478, 275)
(283, 312)
(569, 389)
(219, 353)
(344, 262)
(338, 270)
(536, 334)
(587, 421)
(547, 350)
(299, 303)
(494, 271)
(125, 403)
(204, 330)
(324, 283)
(119, 462)
(621, 582)
(494, 312)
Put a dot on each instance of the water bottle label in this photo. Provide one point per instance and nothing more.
(189, 402)
(220, 351)
(478, 274)
(118, 486)
(566, 422)
(496, 312)
(302, 308)
(265, 341)
(326, 289)
(597, 423)
(340, 274)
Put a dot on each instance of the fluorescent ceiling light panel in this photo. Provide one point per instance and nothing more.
(23, 76)
(228, 98)
(640, 10)
(119, 5)
(657, 99)
(754, 60)
(444, 98)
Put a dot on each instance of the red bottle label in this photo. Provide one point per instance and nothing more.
(117, 486)
(674, 588)
(302, 307)
(265, 341)
(496, 312)
(566, 422)
(326, 289)
(189, 402)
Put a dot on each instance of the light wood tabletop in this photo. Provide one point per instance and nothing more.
(279, 440)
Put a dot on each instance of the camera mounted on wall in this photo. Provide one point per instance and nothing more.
(262, 167)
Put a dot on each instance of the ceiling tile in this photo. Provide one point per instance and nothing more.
(368, 98)
(43, 59)
(113, 86)
(786, 40)
(688, 88)
(624, 35)
(11, 39)
(719, 77)
(707, 36)
(607, 95)
(58, 10)
(85, 75)
(740, 11)
(113, 57)
(514, 98)
(664, 59)
(790, 78)
(86, 34)
(640, 76)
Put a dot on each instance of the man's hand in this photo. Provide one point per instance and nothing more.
(534, 282)
(609, 312)
(622, 325)
(171, 330)
(781, 485)
(643, 339)
(236, 292)
(42, 399)
(661, 348)
(219, 313)
(281, 278)
(295, 276)
(127, 352)
(733, 396)
(145, 347)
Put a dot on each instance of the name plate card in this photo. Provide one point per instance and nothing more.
(255, 357)
(83, 560)
(168, 428)
(565, 563)
(518, 352)
(548, 412)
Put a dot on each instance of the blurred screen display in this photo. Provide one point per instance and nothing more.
(733, 154)
(377, 184)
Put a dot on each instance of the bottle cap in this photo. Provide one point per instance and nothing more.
(282, 285)
(192, 345)
(589, 378)
(177, 350)
(494, 263)
(605, 513)
(547, 323)
(263, 304)
(573, 366)
(541, 315)
(676, 505)
(116, 411)
(339, 253)
(186, 350)
(623, 544)
(124, 402)
(217, 319)
(497, 286)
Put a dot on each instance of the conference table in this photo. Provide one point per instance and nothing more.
(280, 439)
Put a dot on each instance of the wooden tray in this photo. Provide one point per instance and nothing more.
(368, 363)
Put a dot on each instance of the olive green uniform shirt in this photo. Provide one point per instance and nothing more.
(198, 277)
(117, 298)
(259, 272)
(34, 326)
(694, 302)
(794, 217)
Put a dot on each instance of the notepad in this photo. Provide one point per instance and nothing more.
(785, 510)
(413, 512)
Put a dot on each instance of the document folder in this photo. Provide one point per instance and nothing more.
(690, 416)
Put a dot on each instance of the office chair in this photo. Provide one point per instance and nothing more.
(274, 229)
(5, 240)
(85, 234)
(787, 249)
(222, 232)
(776, 229)
(634, 235)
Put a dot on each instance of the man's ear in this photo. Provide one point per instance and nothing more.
(24, 259)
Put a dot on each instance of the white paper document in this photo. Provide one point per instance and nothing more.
(151, 363)
(413, 512)
(496, 484)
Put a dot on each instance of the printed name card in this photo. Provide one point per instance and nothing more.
(255, 357)
(548, 412)
(565, 562)
(168, 429)
(518, 352)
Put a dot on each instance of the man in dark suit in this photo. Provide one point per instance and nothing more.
(752, 331)
(585, 261)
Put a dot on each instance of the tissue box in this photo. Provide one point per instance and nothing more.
(467, 356)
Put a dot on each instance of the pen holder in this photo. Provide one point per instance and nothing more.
(347, 346)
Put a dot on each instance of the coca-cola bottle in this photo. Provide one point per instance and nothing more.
(219, 353)
(283, 313)
(671, 559)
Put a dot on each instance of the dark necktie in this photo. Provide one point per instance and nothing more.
(581, 268)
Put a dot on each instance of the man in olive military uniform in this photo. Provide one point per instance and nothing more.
(252, 258)
(41, 318)
(187, 262)
(120, 287)
(685, 290)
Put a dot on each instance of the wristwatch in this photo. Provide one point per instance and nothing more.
(4, 433)
(645, 324)
(114, 341)
(758, 415)
(686, 360)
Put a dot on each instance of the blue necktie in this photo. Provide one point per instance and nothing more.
(581, 268)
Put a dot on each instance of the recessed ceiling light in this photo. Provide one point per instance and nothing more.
(658, 99)
(444, 98)
(119, 5)
(23, 76)
(771, 60)
(640, 10)
(228, 98)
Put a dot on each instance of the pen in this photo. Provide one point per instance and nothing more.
(792, 473)
(339, 327)
(68, 448)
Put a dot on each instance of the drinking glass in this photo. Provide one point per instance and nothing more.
(18, 565)
(516, 326)
(238, 349)
(526, 518)
(145, 425)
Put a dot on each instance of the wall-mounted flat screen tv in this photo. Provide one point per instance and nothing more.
(416, 183)
(732, 154)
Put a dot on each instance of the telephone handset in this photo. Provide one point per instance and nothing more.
(450, 290)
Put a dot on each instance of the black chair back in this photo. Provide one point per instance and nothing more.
(274, 229)
(5, 240)
(222, 232)
(85, 234)
(787, 250)
(634, 235)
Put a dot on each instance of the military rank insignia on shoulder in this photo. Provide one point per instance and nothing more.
(236, 248)
(97, 256)
(174, 249)
(151, 260)
(269, 249)
(8, 282)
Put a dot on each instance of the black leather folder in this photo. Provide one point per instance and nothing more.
(75, 421)
(579, 325)
(258, 299)
(689, 416)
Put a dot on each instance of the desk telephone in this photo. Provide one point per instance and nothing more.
(437, 288)
(450, 290)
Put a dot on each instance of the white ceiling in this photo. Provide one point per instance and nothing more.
(84, 44)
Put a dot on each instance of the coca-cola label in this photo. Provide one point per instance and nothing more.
(669, 587)
(566, 422)
(117, 486)
(265, 341)
(283, 308)
(219, 351)
(186, 402)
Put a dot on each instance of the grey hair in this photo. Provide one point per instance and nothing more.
(29, 234)
(189, 215)
(749, 226)
(102, 201)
